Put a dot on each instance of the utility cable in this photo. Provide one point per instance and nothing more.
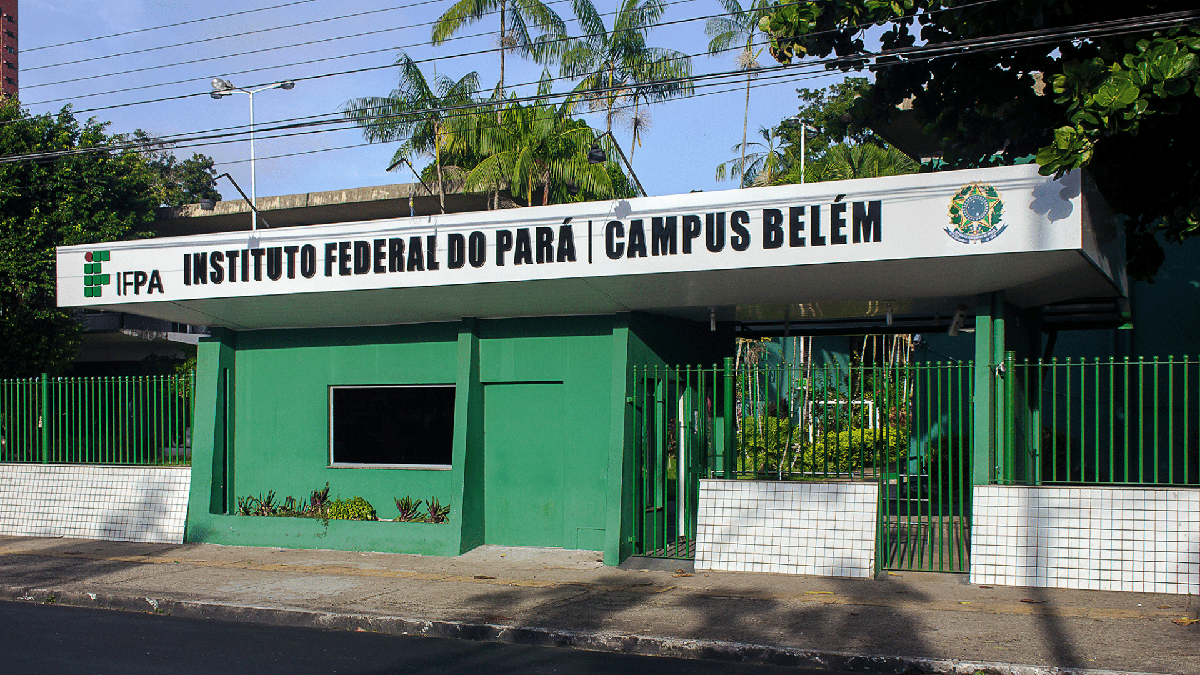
(755, 73)
(988, 43)
(276, 48)
(226, 37)
(433, 59)
(168, 25)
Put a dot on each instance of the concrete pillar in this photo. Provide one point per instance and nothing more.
(468, 452)
(618, 537)
(988, 414)
(212, 489)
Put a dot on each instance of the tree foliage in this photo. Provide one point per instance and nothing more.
(415, 114)
(736, 30)
(616, 68)
(835, 151)
(1120, 104)
(515, 17)
(536, 145)
(757, 164)
(177, 182)
(77, 199)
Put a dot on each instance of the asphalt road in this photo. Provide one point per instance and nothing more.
(69, 640)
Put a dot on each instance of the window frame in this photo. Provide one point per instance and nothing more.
(362, 465)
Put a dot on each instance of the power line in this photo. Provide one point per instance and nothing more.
(214, 137)
(791, 78)
(267, 49)
(390, 65)
(227, 37)
(433, 59)
(270, 49)
(850, 59)
(989, 43)
(169, 25)
(257, 51)
(193, 79)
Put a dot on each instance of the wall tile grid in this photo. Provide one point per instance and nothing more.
(1097, 538)
(94, 502)
(825, 529)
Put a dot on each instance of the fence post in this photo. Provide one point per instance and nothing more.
(728, 451)
(45, 418)
(1010, 416)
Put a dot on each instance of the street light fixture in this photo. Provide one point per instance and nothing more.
(596, 155)
(221, 89)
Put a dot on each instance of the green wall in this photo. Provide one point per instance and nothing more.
(540, 442)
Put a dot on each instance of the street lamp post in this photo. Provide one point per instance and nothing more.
(804, 129)
(223, 88)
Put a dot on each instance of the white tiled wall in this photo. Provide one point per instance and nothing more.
(94, 502)
(823, 529)
(1100, 538)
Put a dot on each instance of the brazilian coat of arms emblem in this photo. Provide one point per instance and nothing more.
(975, 214)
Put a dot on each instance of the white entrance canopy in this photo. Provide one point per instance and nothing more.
(923, 240)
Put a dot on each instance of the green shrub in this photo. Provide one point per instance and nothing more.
(763, 446)
(833, 453)
(410, 511)
(350, 509)
(437, 512)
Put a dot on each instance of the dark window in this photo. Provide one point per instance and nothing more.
(393, 425)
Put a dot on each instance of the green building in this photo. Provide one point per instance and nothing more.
(488, 359)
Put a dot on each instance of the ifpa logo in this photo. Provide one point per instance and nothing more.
(975, 214)
(94, 280)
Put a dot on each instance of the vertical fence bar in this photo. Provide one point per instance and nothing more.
(1170, 419)
(45, 418)
(727, 405)
(1096, 415)
(1141, 427)
(1155, 478)
(1187, 415)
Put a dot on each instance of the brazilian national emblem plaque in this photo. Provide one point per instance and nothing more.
(975, 214)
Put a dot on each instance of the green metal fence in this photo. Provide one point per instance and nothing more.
(911, 428)
(906, 426)
(1102, 421)
(97, 420)
(925, 483)
(679, 437)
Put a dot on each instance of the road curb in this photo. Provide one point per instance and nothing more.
(834, 662)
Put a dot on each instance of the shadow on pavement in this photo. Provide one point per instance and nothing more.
(38, 562)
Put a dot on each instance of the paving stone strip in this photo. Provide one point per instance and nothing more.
(823, 597)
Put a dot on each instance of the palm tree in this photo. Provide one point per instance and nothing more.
(864, 160)
(617, 65)
(843, 161)
(515, 17)
(761, 167)
(414, 113)
(738, 28)
(537, 145)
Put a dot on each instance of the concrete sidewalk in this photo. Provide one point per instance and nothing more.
(910, 622)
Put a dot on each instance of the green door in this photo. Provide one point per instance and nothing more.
(523, 464)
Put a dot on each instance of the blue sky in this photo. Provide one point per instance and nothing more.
(686, 141)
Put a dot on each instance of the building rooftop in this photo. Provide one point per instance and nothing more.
(316, 208)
